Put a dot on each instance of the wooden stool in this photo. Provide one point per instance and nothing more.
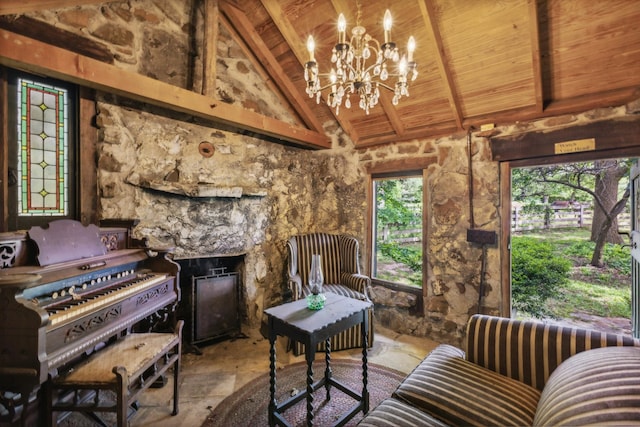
(127, 368)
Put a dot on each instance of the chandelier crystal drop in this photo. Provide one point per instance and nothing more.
(361, 66)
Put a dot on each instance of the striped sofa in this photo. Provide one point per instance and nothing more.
(520, 373)
(341, 271)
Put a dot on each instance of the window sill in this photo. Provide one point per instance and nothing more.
(415, 310)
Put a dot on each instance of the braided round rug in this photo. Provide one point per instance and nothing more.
(248, 406)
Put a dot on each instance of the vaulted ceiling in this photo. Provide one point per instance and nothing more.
(480, 62)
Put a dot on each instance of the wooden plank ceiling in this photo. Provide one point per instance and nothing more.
(479, 62)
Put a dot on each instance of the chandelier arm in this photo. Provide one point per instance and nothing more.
(385, 86)
(372, 66)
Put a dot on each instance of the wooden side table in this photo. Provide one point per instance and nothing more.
(295, 321)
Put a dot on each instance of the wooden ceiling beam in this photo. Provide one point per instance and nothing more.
(556, 108)
(429, 131)
(210, 47)
(24, 53)
(256, 45)
(428, 12)
(268, 80)
(617, 133)
(392, 113)
(10, 7)
(536, 61)
(299, 49)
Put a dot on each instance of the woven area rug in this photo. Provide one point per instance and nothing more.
(248, 406)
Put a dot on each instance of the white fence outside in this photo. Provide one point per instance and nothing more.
(572, 216)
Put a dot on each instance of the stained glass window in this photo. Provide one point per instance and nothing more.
(43, 129)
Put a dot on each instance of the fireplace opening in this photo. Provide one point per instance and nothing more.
(211, 299)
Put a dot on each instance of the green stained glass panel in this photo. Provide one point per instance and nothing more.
(43, 155)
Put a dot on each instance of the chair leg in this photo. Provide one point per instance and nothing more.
(50, 419)
(122, 400)
(176, 385)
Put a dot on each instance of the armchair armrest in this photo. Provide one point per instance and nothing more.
(357, 282)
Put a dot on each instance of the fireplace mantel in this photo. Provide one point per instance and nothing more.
(198, 189)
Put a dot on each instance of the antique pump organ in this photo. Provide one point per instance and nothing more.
(67, 289)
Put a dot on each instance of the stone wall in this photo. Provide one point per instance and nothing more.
(144, 157)
(453, 264)
(151, 160)
(151, 166)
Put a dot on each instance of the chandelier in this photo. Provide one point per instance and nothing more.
(362, 67)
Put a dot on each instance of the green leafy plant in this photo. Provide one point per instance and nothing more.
(538, 274)
(409, 256)
(406, 255)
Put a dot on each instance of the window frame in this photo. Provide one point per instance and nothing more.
(71, 149)
(399, 169)
(84, 145)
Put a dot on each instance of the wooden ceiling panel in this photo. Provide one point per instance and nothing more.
(372, 125)
(593, 44)
(487, 44)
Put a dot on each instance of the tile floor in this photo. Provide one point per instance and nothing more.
(228, 365)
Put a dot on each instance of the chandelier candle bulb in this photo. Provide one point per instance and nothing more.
(411, 47)
(387, 26)
(311, 46)
(342, 28)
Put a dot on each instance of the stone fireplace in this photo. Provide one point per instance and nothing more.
(242, 196)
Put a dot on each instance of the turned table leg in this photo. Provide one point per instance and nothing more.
(272, 376)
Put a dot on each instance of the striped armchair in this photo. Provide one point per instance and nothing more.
(341, 271)
(520, 373)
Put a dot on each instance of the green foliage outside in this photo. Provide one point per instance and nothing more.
(537, 275)
(410, 256)
(398, 202)
(398, 208)
(604, 292)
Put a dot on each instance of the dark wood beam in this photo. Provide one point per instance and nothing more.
(9, 7)
(40, 30)
(87, 155)
(606, 135)
(557, 108)
(210, 47)
(32, 55)
(4, 151)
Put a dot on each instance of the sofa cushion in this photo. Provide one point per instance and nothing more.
(459, 392)
(393, 412)
(594, 387)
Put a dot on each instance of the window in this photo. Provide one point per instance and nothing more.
(42, 130)
(397, 230)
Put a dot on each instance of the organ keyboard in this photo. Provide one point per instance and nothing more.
(51, 315)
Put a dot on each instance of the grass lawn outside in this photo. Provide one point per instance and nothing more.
(599, 298)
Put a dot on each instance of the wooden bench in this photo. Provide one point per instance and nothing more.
(127, 368)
